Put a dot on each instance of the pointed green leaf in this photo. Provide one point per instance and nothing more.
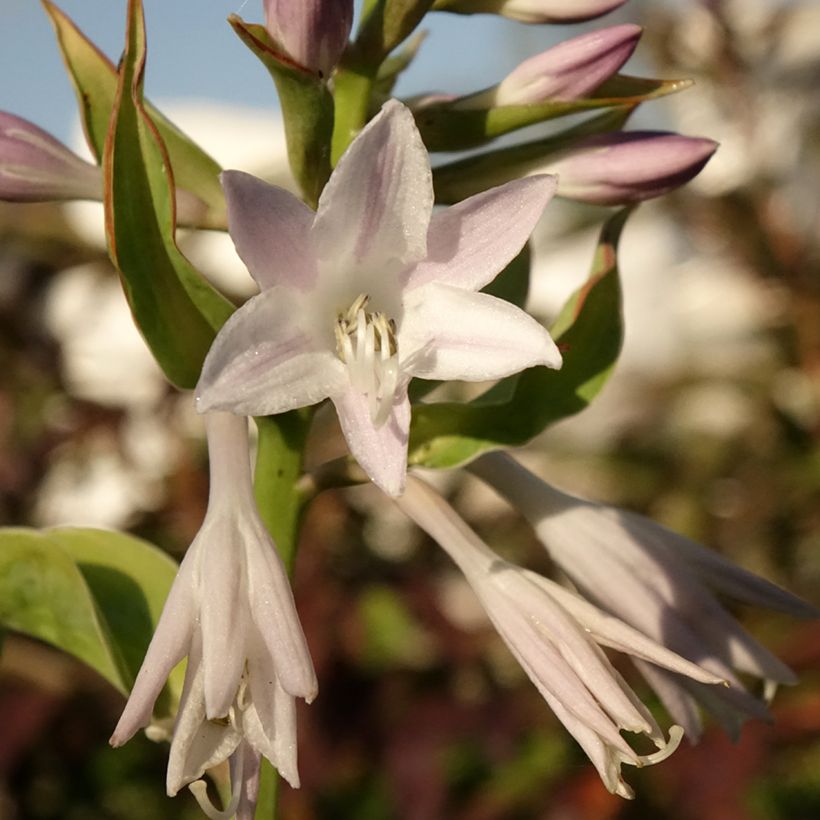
(95, 594)
(306, 105)
(589, 331)
(94, 78)
(458, 180)
(175, 308)
(444, 127)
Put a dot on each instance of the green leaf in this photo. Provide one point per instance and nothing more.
(458, 180)
(307, 107)
(175, 308)
(589, 331)
(92, 593)
(94, 78)
(444, 127)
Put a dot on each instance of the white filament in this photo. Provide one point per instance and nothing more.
(366, 343)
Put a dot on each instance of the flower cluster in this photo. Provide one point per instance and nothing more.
(375, 287)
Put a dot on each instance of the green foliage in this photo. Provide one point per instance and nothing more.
(306, 105)
(95, 81)
(92, 593)
(447, 128)
(589, 331)
(175, 308)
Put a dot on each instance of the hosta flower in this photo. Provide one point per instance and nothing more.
(566, 71)
(664, 585)
(35, 167)
(370, 291)
(313, 32)
(556, 637)
(231, 611)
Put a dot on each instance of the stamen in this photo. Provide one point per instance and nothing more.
(366, 343)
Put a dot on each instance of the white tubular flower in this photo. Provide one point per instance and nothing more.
(555, 636)
(231, 611)
(661, 583)
(370, 291)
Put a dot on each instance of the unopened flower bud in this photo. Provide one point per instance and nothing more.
(35, 167)
(565, 72)
(619, 168)
(313, 32)
(534, 11)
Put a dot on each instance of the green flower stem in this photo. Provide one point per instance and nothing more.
(352, 92)
(278, 470)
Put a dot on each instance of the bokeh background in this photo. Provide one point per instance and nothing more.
(711, 425)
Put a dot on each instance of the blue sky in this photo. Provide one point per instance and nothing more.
(194, 53)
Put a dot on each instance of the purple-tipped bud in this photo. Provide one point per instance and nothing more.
(571, 69)
(313, 32)
(35, 167)
(534, 11)
(619, 168)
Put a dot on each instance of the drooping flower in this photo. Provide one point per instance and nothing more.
(35, 167)
(556, 637)
(370, 291)
(231, 611)
(313, 32)
(533, 11)
(566, 71)
(661, 583)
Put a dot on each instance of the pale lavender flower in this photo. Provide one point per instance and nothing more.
(663, 584)
(567, 71)
(625, 167)
(231, 611)
(534, 11)
(556, 637)
(35, 167)
(372, 290)
(313, 32)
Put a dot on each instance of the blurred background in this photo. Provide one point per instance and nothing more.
(710, 425)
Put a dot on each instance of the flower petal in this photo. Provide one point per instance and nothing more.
(449, 333)
(382, 451)
(469, 244)
(270, 720)
(274, 612)
(223, 612)
(376, 206)
(617, 634)
(198, 743)
(266, 360)
(270, 228)
(169, 645)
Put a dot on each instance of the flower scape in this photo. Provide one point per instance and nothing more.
(380, 278)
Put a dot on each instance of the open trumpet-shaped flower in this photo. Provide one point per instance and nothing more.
(231, 611)
(370, 291)
(661, 583)
(556, 637)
